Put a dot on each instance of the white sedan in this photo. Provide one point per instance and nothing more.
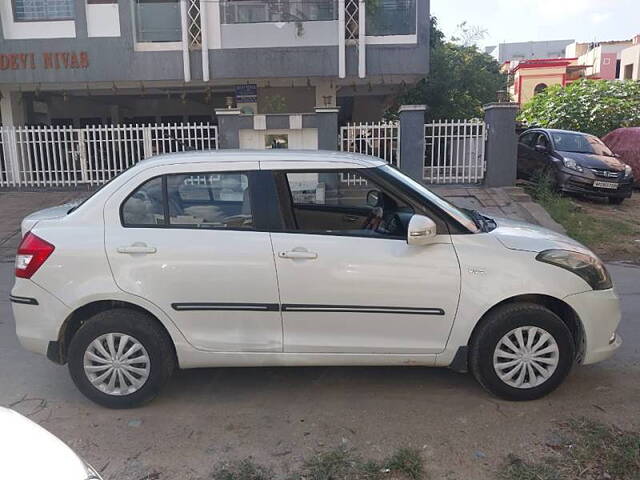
(29, 452)
(284, 258)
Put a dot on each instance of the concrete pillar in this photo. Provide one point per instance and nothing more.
(230, 122)
(81, 19)
(327, 124)
(326, 94)
(12, 109)
(412, 140)
(501, 152)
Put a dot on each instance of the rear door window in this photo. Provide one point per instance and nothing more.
(210, 200)
(145, 206)
(528, 139)
(207, 200)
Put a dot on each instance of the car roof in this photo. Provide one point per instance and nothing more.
(266, 156)
(554, 130)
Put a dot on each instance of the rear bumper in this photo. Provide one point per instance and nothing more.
(38, 315)
(576, 184)
(599, 312)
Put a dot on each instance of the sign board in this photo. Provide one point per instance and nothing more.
(46, 61)
(247, 93)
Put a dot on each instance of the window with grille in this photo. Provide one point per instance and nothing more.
(43, 10)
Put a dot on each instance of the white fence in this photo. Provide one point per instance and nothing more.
(64, 156)
(455, 151)
(377, 139)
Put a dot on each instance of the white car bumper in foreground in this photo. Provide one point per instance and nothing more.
(600, 315)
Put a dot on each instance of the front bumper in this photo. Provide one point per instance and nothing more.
(575, 183)
(599, 312)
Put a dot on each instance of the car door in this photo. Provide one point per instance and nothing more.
(191, 239)
(350, 289)
(541, 153)
(525, 154)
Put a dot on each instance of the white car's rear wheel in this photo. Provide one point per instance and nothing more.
(120, 358)
(521, 351)
(117, 364)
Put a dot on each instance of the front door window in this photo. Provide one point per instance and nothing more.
(344, 203)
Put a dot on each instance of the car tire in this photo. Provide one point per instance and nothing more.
(490, 354)
(616, 200)
(145, 361)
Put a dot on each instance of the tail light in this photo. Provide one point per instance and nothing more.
(32, 253)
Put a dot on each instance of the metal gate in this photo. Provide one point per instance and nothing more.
(64, 156)
(380, 139)
(455, 151)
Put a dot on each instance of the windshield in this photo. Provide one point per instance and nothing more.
(580, 143)
(459, 215)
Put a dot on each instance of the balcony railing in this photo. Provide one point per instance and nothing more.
(391, 17)
(158, 21)
(256, 11)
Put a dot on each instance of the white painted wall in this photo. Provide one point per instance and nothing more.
(26, 30)
(103, 20)
(305, 139)
(264, 35)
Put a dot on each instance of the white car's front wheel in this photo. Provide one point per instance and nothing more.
(120, 358)
(521, 351)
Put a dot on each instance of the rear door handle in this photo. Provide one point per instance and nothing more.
(350, 218)
(138, 249)
(299, 254)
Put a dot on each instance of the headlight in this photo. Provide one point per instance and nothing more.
(91, 473)
(628, 171)
(572, 164)
(589, 268)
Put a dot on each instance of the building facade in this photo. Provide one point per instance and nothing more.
(630, 61)
(97, 62)
(517, 51)
(602, 59)
(530, 77)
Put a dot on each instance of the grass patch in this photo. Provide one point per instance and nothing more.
(589, 451)
(244, 470)
(338, 464)
(580, 225)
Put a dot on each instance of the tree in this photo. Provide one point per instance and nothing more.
(590, 106)
(461, 79)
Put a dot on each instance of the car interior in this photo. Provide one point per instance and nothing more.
(335, 206)
(200, 201)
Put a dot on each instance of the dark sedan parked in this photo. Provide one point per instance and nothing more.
(575, 163)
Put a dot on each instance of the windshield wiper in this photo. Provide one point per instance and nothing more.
(485, 224)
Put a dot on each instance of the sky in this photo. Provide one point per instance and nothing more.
(531, 20)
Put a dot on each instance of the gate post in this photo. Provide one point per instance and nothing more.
(412, 141)
(327, 124)
(146, 141)
(230, 122)
(501, 154)
(12, 165)
(82, 155)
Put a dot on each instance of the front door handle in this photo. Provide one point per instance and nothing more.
(138, 248)
(299, 254)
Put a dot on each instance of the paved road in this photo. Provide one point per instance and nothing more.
(280, 415)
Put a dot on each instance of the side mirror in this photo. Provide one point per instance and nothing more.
(541, 149)
(373, 198)
(422, 230)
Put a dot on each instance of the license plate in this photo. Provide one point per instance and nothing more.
(609, 185)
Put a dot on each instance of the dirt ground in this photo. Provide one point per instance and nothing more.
(620, 239)
(281, 416)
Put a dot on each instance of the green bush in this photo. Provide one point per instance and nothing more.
(591, 106)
